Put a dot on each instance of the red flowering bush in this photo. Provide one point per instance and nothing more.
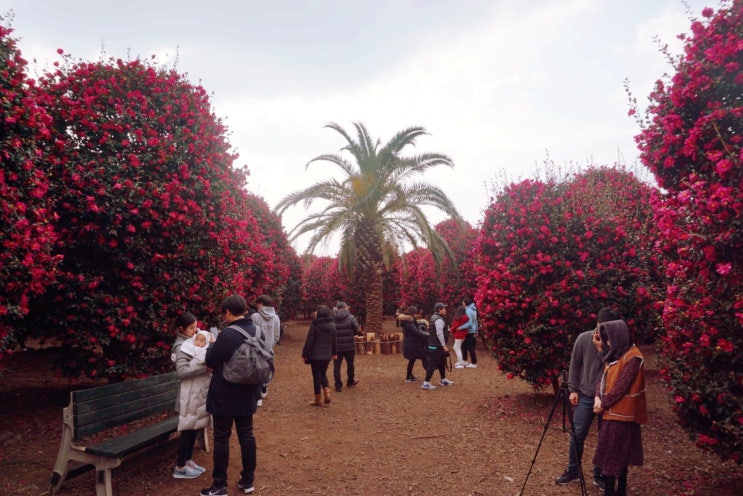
(323, 284)
(458, 277)
(153, 218)
(26, 222)
(692, 140)
(551, 254)
(423, 284)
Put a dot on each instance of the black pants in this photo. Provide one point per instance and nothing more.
(222, 432)
(469, 345)
(319, 374)
(186, 443)
(350, 370)
(436, 360)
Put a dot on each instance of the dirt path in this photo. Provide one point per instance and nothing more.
(382, 437)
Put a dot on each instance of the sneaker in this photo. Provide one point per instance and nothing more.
(195, 466)
(567, 478)
(185, 473)
(446, 382)
(471, 366)
(411, 379)
(245, 487)
(353, 382)
(259, 402)
(428, 385)
(264, 392)
(459, 366)
(214, 491)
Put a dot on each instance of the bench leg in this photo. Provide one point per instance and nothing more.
(202, 440)
(103, 483)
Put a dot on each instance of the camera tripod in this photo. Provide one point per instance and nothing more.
(562, 397)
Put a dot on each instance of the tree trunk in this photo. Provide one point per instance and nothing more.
(373, 299)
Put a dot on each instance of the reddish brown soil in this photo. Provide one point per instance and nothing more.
(382, 437)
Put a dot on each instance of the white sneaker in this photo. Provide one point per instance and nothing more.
(428, 385)
(185, 473)
(259, 402)
(195, 466)
(459, 366)
(446, 382)
(471, 366)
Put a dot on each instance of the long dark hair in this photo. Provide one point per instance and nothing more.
(183, 320)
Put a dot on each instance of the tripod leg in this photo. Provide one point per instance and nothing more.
(544, 433)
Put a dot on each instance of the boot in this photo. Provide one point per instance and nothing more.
(327, 394)
(318, 400)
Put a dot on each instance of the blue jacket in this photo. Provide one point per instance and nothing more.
(471, 324)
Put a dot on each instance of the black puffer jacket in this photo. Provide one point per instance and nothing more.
(414, 339)
(346, 326)
(321, 342)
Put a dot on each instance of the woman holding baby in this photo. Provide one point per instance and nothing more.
(189, 351)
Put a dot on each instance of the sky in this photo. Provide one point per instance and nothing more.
(500, 85)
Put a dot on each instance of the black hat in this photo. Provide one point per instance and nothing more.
(438, 306)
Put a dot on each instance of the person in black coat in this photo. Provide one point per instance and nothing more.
(346, 327)
(320, 347)
(413, 342)
(229, 402)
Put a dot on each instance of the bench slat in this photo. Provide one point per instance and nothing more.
(134, 441)
(123, 387)
(115, 416)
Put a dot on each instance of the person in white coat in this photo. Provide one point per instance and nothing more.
(191, 405)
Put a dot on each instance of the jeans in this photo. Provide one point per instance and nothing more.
(582, 418)
(222, 432)
(319, 374)
(349, 356)
(186, 441)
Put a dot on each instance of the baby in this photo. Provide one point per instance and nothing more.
(200, 342)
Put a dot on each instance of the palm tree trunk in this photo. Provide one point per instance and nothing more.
(373, 300)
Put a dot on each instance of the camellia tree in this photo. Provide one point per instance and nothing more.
(550, 255)
(692, 139)
(324, 284)
(153, 218)
(27, 231)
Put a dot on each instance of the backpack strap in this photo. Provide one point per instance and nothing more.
(246, 333)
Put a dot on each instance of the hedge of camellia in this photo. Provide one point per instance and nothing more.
(551, 254)
(153, 218)
(693, 142)
(26, 222)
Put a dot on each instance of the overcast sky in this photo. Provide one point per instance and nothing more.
(499, 84)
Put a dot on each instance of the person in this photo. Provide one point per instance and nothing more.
(190, 366)
(267, 320)
(320, 346)
(460, 318)
(470, 342)
(620, 400)
(346, 327)
(413, 341)
(231, 403)
(583, 376)
(437, 349)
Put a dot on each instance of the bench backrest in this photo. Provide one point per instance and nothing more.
(100, 408)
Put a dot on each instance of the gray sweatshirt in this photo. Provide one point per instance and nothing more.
(586, 365)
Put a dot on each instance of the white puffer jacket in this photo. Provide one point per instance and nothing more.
(191, 369)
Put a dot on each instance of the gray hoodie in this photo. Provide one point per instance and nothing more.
(267, 320)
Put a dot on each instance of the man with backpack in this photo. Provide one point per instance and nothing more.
(266, 319)
(230, 402)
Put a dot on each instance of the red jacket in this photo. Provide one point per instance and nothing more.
(455, 325)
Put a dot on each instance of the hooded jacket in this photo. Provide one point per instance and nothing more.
(267, 320)
(321, 343)
(190, 367)
(346, 326)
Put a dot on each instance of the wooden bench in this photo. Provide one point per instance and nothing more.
(99, 409)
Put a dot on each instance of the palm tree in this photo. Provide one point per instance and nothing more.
(376, 208)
